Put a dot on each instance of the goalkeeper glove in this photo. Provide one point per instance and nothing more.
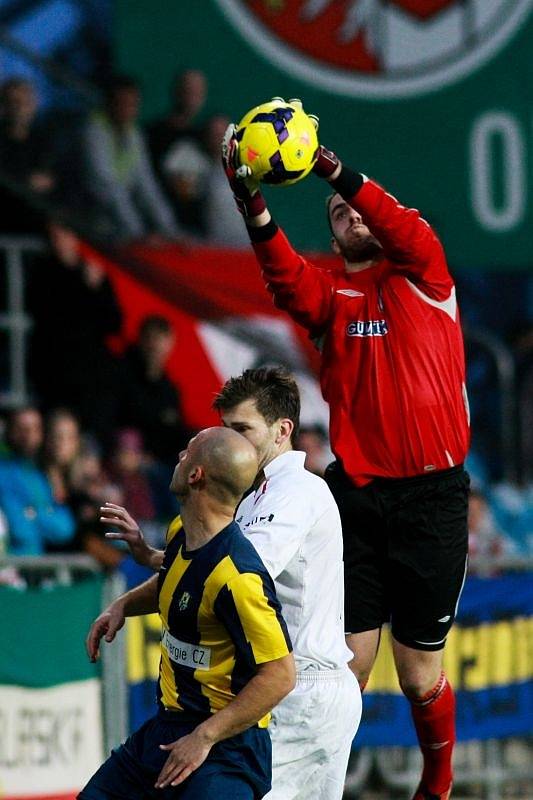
(249, 199)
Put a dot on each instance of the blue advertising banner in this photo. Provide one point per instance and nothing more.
(488, 660)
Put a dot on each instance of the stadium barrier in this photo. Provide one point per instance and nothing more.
(48, 711)
(59, 714)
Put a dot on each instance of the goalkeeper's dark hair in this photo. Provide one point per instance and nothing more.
(274, 390)
(347, 184)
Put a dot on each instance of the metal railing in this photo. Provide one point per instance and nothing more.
(487, 770)
(525, 417)
(505, 371)
(14, 320)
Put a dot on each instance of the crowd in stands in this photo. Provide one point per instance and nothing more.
(55, 474)
(106, 427)
(112, 178)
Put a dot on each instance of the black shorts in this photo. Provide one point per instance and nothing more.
(405, 553)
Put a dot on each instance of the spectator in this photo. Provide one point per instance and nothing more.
(127, 470)
(184, 172)
(222, 223)
(177, 152)
(62, 443)
(25, 157)
(125, 198)
(151, 402)
(74, 309)
(313, 440)
(189, 93)
(63, 448)
(89, 479)
(34, 517)
(91, 487)
(196, 184)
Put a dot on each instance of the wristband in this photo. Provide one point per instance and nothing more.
(250, 205)
(348, 183)
(262, 234)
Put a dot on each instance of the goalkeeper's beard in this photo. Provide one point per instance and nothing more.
(366, 249)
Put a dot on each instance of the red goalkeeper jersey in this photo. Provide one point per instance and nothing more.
(392, 367)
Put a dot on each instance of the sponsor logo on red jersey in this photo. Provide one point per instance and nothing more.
(371, 327)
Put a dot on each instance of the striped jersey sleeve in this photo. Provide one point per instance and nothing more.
(248, 607)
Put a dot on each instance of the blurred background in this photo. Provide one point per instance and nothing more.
(128, 295)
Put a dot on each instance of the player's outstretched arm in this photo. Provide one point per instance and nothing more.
(129, 532)
(282, 267)
(140, 600)
(273, 681)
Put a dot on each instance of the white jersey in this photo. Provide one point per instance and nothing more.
(294, 524)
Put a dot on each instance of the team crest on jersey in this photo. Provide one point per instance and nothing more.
(184, 601)
(372, 48)
(370, 327)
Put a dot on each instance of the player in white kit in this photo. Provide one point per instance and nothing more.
(292, 520)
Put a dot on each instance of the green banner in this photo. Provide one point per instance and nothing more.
(43, 634)
(432, 98)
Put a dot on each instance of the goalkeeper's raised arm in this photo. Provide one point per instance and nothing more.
(283, 268)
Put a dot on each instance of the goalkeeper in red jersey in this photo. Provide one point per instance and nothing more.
(393, 373)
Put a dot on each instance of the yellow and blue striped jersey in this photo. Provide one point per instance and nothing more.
(221, 619)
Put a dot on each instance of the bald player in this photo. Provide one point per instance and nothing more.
(226, 657)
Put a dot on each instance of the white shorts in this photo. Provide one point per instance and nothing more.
(312, 731)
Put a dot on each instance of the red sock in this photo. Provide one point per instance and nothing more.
(434, 719)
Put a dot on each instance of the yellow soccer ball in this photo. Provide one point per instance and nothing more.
(278, 142)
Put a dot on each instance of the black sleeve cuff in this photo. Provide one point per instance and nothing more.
(262, 234)
(348, 183)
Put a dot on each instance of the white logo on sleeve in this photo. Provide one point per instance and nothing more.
(350, 292)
